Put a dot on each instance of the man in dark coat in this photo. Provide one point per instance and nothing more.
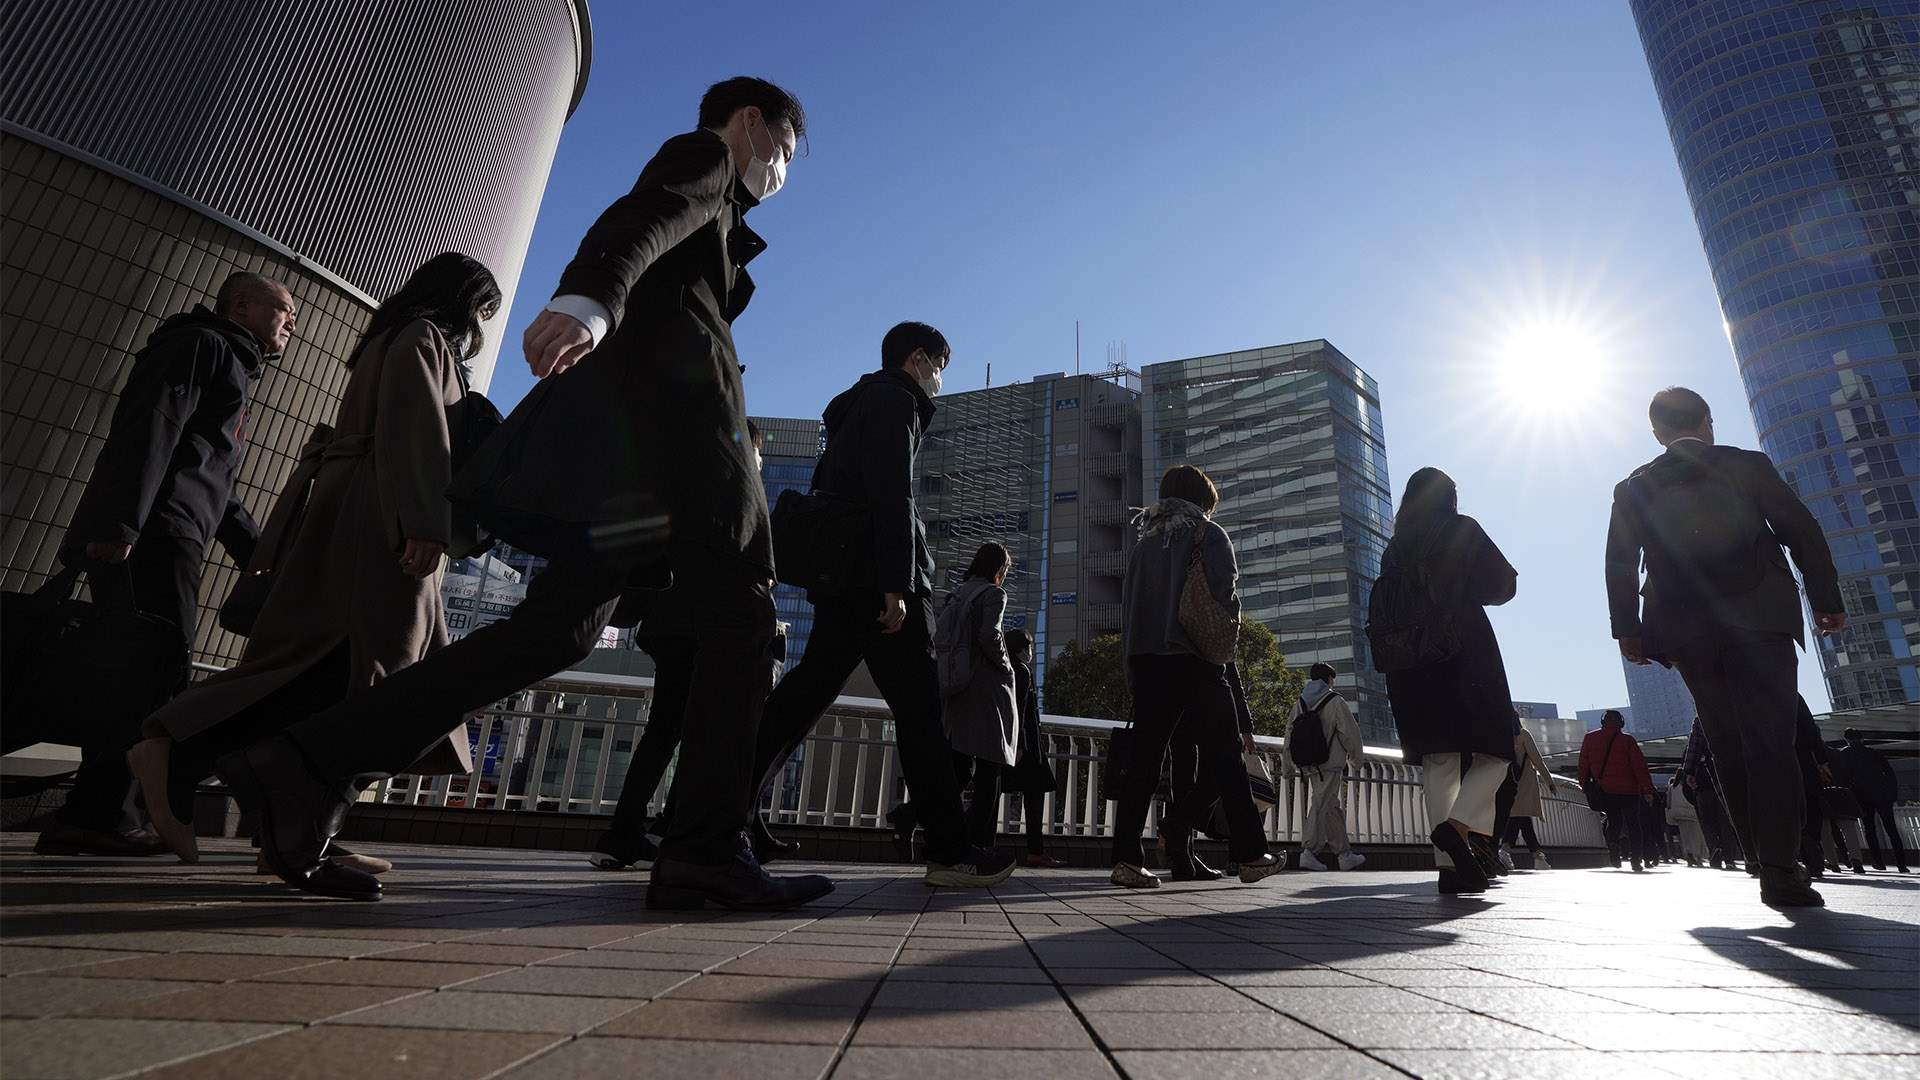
(629, 463)
(1721, 605)
(873, 432)
(161, 493)
(1700, 787)
(1866, 772)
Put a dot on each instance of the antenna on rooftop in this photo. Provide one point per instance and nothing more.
(1076, 346)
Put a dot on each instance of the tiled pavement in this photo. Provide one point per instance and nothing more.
(485, 963)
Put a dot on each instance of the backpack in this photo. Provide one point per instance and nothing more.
(953, 639)
(1307, 741)
(1406, 627)
(1702, 535)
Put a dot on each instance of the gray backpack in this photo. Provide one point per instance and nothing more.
(953, 640)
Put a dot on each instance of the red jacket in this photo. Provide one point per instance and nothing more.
(1626, 768)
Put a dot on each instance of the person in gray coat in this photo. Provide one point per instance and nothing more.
(980, 703)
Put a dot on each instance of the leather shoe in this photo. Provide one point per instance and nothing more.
(1195, 870)
(61, 838)
(299, 816)
(1466, 869)
(739, 884)
(1787, 888)
(1452, 883)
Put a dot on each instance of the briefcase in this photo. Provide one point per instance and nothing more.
(821, 542)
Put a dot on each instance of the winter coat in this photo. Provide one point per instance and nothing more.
(1033, 772)
(175, 442)
(1626, 767)
(1673, 615)
(983, 719)
(874, 430)
(379, 480)
(646, 438)
(1527, 799)
(1461, 704)
(1866, 772)
(1157, 573)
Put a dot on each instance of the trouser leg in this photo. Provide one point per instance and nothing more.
(1156, 714)
(1744, 687)
(1474, 805)
(1868, 832)
(673, 659)
(983, 815)
(1503, 803)
(808, 689)
(1033, 807)
(903, 668)
(1897, 842)
(1533, 838)
(1440, 777)
(1328, 815)
(1190, 788)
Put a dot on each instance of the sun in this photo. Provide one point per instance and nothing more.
(1550, 368)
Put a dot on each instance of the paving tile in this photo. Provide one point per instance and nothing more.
(932, 995)
(775, 990)
(280, 1003)
(1253, 1065)
(81, 1048)
(1162, 999)
(1811, 1032)
(1440, 1031)
(458, 1010)
(670, 1059)
(1031, 1030)
(1203, 1031)
(364, 1053)
(198, 967)
(22, 959)
(1647, 1032)
(457, 953)
(57, 995)
(893, 1062)
(756, 964)
(586, 982)
(426, 976)
(1761, 1066)
(1347, 1000)
(1557, 1064)
(958, 973)
(735, 1021)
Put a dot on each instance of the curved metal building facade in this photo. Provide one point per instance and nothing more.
(148, 150)
(1797, 129)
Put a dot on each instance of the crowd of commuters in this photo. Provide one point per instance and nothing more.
(348, 675)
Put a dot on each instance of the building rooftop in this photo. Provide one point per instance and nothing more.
(526, 965)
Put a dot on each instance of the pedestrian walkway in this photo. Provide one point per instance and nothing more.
(531, 965)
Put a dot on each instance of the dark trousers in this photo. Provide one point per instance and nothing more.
(162, 579)
(1626, 835)
(1194, 788)
(1744, 685)
(1034, 808)
(845, 632)
(381, 731)
(1503, 803)
(1721, 843)
(321, 686)
(982, 813)
(1519, 826)
(673, 660)
(1883, 812)
(1171, 693)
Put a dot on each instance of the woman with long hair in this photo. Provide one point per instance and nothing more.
(357, 563)
(1455, 715)
(980, 709)
(1177, 690)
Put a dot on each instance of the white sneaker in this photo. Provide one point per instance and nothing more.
(1540, 861)
(1352, 860)
(1310, 861)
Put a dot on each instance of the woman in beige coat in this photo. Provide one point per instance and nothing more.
(357, 572)
(1527, 803)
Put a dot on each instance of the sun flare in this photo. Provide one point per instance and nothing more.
(1550, 368)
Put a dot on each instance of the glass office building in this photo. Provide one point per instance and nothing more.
(1293, 438)
(790, 450)
(1795, 129)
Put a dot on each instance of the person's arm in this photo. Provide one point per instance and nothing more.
(992, 639)
(1243, 716)
(1347, 729)
(1796, 527)
(886, 468)
(1218, 563)
(1583, 771)
(160, 397)
(1492, 580)
(1534, 761)
(412, 451)
(1623, 575)
(238, 533)
(1643, 776)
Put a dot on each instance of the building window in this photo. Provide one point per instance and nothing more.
(1065, 403)
(1066, 496)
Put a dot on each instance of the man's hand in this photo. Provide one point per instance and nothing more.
(1634, 651)
(1826, 774)
(893, 614)
(555, 342)
(1830, 623)
(421, 557)
(109, 552)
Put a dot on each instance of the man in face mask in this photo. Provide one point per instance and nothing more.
(873, 432)
(628, 465)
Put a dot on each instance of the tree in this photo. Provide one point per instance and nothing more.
(1092, 680)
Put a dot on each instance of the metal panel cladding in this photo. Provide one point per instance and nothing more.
(365, 135)
(1797, 128)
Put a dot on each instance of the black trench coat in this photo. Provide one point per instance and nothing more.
(645, 440)
(1462, 704)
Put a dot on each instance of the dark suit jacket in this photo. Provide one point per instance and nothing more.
(646, 439)
(874, 430)
(1664, 622)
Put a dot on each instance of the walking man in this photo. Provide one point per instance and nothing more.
(628, 464)
(1866, 772)
(161, 493)
(873, 432)
(1612, 757)
(1720, 604)
(1326, 824)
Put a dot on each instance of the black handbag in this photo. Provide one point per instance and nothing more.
(1590, 785)
(1113, 769)
(821, 542)
(470, 421)
(83, 673)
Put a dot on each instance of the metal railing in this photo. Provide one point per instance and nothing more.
(558, 746)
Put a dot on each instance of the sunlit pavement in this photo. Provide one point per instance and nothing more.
(488, 963)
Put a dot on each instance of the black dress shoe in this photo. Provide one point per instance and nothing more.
(766, 846)
(1195, 870)
(1471, 879)
(1452, 883)
(1786, 888)
(738, 884)
(298, 814)
(61, 838)
(1484, 854)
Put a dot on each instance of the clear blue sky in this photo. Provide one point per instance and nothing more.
(1444, 191)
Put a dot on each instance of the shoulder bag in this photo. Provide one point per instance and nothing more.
(1590, 785)
(1210, 627)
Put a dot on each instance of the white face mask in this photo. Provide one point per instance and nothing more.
(929, 383)
(764, 175)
